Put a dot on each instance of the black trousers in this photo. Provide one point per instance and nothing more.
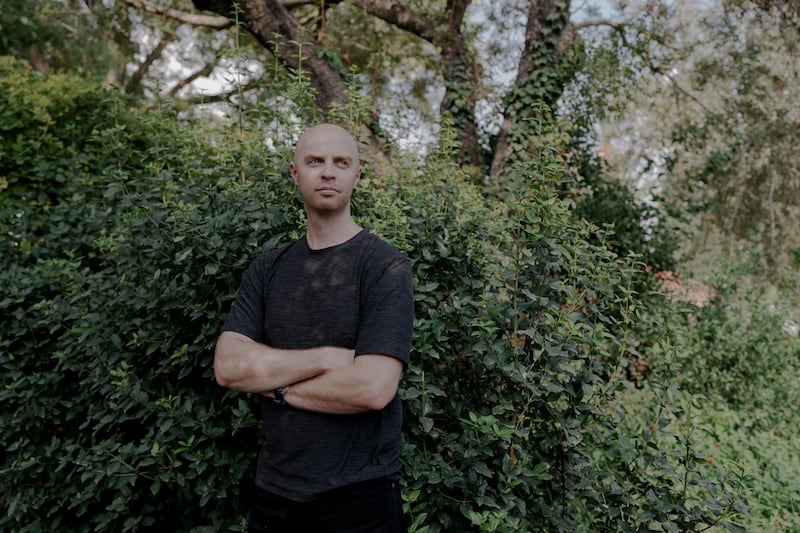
(373, 506)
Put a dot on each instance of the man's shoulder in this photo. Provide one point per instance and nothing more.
(382, 248)
(268, 258)
(383, 261)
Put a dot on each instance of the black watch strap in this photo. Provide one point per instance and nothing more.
(279, 399)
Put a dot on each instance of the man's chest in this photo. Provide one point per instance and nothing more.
(315, 302)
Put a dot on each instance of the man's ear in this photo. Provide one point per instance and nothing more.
(293, 170)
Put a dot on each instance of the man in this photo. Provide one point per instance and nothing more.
(322, 329)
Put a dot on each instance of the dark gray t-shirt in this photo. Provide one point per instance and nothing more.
(356, 295)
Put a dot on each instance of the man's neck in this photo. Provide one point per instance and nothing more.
(324, 232)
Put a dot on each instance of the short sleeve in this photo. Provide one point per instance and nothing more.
(247, 313)
(387, 315)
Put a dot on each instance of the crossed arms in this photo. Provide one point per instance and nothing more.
(326, 379)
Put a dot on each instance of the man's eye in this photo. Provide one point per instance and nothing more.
(343, 164)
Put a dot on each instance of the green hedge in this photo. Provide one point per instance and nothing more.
(116, 280)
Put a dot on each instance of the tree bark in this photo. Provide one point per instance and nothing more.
(462, 83)
(540, 79)
(276, 29)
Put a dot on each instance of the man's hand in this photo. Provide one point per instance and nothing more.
(242, 364)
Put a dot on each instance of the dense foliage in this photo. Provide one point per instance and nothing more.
(522, 414)
(704, 117)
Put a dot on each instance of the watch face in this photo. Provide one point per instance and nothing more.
(279, 399)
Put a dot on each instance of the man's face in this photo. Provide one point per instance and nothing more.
(326, 168)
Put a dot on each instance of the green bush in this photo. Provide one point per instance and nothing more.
(768, 457)
(735, 348)
(517, 421)
(738, 354)
(638, 227)
(46, 123)
(113, 299)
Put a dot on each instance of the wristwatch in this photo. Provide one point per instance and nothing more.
(279, 399)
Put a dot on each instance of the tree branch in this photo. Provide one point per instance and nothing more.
(397, 14)
(685, 92)
(205, 71)
(599, 22)
(136, 79)
(223, 96)
(215, 22)
(660, 70)
(618, 27)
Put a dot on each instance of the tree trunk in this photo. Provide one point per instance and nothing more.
(458, 64)
(278, 31)
(544, 69)
(461, 81)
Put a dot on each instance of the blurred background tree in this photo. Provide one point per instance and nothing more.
(708, 126)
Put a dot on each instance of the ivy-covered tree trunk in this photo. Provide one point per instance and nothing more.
(459, 66)
(461, 82)
(548, 63)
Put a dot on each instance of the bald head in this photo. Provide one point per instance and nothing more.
(327, 135)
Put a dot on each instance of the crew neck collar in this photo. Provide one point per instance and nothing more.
(360, 232)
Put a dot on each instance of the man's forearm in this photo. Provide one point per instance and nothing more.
(369, 384)
(245, 365)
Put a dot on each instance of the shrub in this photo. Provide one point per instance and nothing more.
(521, 347)
(735, 348)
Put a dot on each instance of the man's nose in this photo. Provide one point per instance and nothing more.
(329, 170)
